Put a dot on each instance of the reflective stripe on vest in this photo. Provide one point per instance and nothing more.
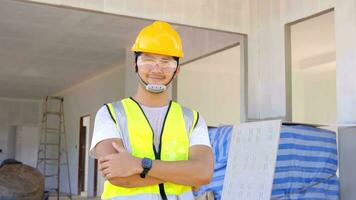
(178, 125)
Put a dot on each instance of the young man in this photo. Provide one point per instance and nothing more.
(148, 146)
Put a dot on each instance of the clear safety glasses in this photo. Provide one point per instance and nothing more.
(149, 63)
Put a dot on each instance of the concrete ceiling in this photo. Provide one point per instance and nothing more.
(313, 43)
(45, 49)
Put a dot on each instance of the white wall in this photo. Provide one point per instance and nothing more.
(7, 142)
(345, 30)
(85, 99)
(15, 112)
(19, 112)
(314, 70)
(229, 15)
(27, 143)
(211, 86)
(314, 95)
(11, 142)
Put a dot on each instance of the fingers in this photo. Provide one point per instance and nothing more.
(106, 173)
(103, 166)
(104, 159)
(104, 163)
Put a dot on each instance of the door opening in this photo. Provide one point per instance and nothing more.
(83, 155)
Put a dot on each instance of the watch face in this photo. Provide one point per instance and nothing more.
(146, 163)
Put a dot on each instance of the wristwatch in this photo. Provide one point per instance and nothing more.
(146, 164)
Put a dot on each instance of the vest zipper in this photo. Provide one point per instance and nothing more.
(157, 154)
(161, 186)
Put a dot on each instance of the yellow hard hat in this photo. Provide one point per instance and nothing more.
(160, 38)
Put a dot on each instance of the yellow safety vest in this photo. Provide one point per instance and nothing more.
(174, 144)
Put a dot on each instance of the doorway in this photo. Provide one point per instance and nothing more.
(83, 155)
(311, 69)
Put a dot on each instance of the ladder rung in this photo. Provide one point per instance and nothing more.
(48, 163)
(44, 121)
(48, 189)
(48, 159)
(52, 132)
(42, 143)
(54, 97)
(51, 129)
(50, 175)
(53, 113)
(52, 164)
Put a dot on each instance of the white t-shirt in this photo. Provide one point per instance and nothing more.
(105, 128)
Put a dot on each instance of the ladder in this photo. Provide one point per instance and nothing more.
(53, 145)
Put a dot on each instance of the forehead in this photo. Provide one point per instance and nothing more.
(156, 56)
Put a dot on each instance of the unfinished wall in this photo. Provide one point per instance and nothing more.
(7, 142)
(314, 95)
(27, 143)
(227, 15)
(211, 86)
(15, 112)
(85, 99)
(345, 30)
(266, 56)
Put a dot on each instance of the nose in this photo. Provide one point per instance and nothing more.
(156, 67)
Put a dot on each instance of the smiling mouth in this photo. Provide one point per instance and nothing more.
(156, 77)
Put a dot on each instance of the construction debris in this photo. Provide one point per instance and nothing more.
(19, 181)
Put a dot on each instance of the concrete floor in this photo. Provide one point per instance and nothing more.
(75, 197)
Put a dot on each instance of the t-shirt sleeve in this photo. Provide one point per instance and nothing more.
(104, 128)
(200, 135)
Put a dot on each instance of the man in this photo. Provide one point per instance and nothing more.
(148, 146)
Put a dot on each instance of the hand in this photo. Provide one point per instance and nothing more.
(120, 164)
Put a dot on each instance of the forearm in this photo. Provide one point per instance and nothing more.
(195, 171)
(191, 173)
(134, 181)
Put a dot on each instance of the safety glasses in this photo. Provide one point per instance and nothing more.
(164, 64)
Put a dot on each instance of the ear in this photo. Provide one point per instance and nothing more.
(178, 70)
(135, 66)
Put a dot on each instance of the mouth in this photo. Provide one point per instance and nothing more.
(155, 77)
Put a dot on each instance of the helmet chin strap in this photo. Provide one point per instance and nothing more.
(155, 88)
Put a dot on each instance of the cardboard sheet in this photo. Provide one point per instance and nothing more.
(251, 163)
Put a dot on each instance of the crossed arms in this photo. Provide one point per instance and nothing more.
(120, 168)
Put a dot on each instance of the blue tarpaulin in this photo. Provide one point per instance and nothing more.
(305, 168)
